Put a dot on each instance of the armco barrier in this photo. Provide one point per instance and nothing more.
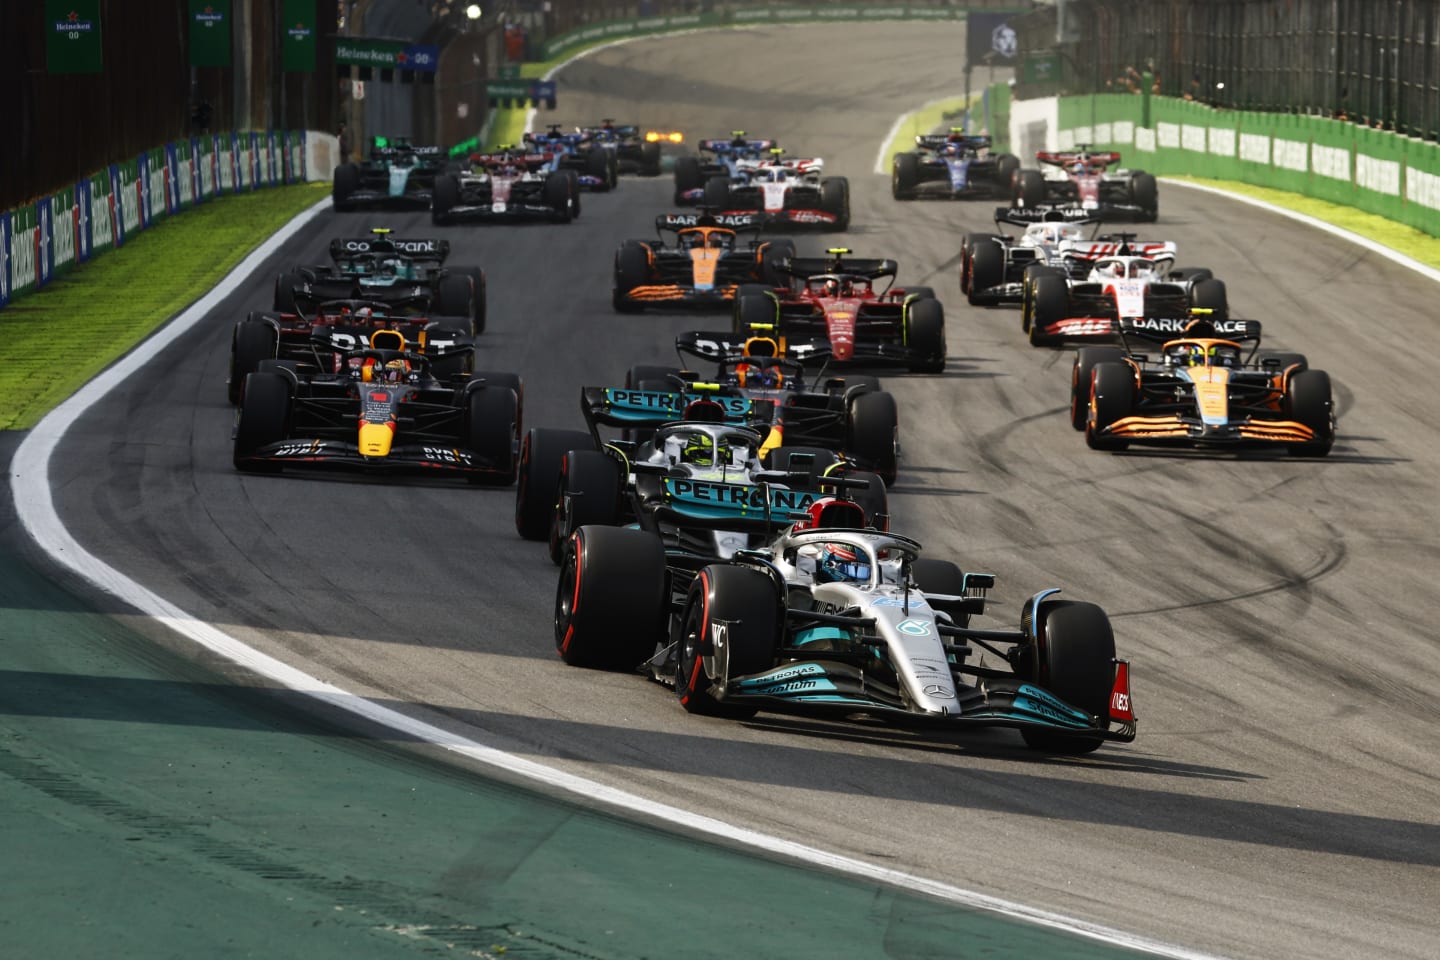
(43, 239)
(1377, 171)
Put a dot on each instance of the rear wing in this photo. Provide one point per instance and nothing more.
(732, 221)
(805, 267)
(732, 147)
(1025, 216)
(625, 407)
(937, 141)
(418, 249)
(1198, 324)
(726, 346)
(1061, 158)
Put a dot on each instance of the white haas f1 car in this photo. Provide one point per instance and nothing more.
(1083, 177)
(1126, 286)
(784, 191)
(842, 621)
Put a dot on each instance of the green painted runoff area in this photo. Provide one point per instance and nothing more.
(155, 810)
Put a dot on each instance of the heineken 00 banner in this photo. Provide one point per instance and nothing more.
(209, 33)
(72, 36)
(297, 35)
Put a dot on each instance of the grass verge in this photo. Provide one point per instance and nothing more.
(54, 340)
(928, 119)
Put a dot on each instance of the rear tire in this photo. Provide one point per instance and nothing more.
(540, 456)
(285, 285)
(588, 493)
(455, 297)
(717, 193)
(925, 335)
(612, 584)
(687, 177)
(557, 197)
(752, 309)
(748, 603)
(1145, 194)
(254, 340)
(1210, 295)
(1029, 188)
(871, 430)
(987, 271)
(771, 272)
(446, 197)
(835, 199)
(1074, 660)
(347, 181)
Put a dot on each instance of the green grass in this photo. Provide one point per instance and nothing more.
(53, 341)
(928, 119)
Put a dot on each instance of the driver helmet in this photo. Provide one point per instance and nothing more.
(364, 313)
(1189, 355)
(758, 376)
(841, 563)
(394, 371)
(832, 288)
(699, 449)
(387, 269)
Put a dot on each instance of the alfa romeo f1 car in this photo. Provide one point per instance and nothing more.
(317, 342)
(407, 275)
(1055, 307)
(1200, 389)
(842, 622)
(783, 192)
(836, 306)
(726, 159)
(1083, 177)
(957, 166)
(382, 410)
(595, 168)
(506, 185)
(397, 175)
(702, 265)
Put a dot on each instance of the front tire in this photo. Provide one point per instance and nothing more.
(1086, 360)
(1112, 395)
(1308, 400)
(1074, 659)
(730, 629)
(264, 419)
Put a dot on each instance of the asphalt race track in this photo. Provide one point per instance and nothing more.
(1283, 798)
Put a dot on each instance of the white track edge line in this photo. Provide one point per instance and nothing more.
(35, 508)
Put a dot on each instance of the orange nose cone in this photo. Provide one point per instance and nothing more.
(375, 439)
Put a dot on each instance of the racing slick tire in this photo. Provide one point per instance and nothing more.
(477, 278)
(771, 272)
(872, 427)
(1086, 360)
(749, 604)
(511, 380)
(347, 181)
(1210, 295)
(558, 190)
(1027, 290)
(492, 427)
(687, 177)
(254, 341)
(925, 335)
(1145, 194)
(987, 271)
(632, 269)
(1308, 400)
(835, 199)
(445, 198)
(754, 309)
(455, 297)
(1050, 302)
(904, 176)
(540, 455)
(717, 192)
(598, 165)
(264, 418)
(1006, 166)
(612, 584)
(1073, 658)
(588, 493)
(1112, 394)
(649, 160)
(1028, 190)
(285, 285)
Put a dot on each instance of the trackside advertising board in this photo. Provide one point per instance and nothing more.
(43, 239)
(1377, 171)
(641, 26)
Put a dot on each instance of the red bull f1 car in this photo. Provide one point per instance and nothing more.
(381, 411)
(1200, 389)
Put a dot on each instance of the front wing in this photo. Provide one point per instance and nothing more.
(403, 458)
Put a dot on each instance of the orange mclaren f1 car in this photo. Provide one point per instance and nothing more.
(701, 266)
